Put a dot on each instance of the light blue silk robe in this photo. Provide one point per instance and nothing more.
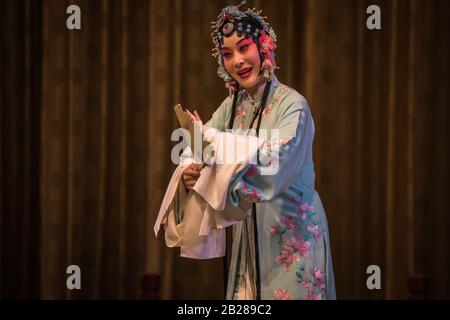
(293, 238)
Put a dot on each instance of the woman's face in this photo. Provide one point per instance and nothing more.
(241, 60)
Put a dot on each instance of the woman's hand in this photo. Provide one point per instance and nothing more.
(191, 175)
(194, 116)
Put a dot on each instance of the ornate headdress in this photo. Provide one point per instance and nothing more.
(250, 24)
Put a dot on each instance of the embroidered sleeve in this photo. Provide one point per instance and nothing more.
(281, 158)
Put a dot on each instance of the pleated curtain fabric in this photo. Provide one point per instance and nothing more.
(86, 119)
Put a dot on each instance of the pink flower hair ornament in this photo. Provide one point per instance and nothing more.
(267, 47)
(266, 44)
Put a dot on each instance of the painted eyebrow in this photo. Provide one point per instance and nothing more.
(236, 43)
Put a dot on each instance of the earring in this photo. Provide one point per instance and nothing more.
(268, 69)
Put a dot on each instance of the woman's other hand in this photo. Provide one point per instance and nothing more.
(191, 175)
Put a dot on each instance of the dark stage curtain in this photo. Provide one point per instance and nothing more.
(86, 118)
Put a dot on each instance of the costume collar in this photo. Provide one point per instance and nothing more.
(244, 95)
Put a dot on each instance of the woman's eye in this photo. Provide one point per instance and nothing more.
(227, 54)
(244, 47)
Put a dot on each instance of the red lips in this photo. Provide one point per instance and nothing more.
(244, 72)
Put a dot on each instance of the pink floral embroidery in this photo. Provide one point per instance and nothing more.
(292, 251)
(240, 111)
(304, 280)
(281, 294)
(295, 249)
(317, 281)
(266, 112)
(273, 230)
(251, 193)
(311, 296)
(254, 195)
(300, 245)
(289, 223)
(305, 208)
(285, 141)
(287, 257)
(318, 277)
(314, 230)
(252, 170)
